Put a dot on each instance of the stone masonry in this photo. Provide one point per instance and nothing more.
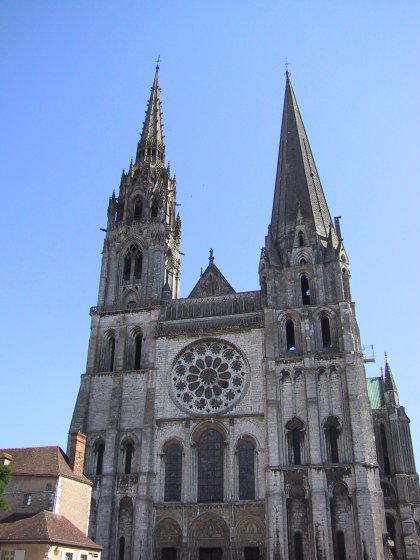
(237, 425)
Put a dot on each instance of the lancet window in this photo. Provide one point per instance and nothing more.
(384, 445)
(332, 434)
(137, 351)
(290, 336)
(99, 451)
(133, 264)
(111, 353)
(295, 437)
(326, 332)
(301, 240)
(246, 464)
(210, 467)
(138, 210)
(173, 472)
(154, 208)
(306, 293)
(128, 454)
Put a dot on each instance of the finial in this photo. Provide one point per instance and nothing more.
(286, 64)
(211, 258)
(157, 62)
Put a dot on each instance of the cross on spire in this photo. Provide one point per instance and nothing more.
(157, 61)
(286, 64)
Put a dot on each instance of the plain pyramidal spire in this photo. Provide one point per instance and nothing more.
(151, 143)
(297, 181)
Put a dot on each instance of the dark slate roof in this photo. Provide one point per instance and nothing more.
(375, 389)
(297, 181)
(41, 461)
(46, 527)
(211, 282)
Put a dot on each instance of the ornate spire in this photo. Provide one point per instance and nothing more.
(297, 181)
(151, 144)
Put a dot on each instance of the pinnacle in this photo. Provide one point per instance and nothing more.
(390, 384)
(151, 138)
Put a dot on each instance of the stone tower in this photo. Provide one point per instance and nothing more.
(232, 425)
(140, 264)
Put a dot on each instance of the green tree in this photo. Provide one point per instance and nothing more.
(5, 476)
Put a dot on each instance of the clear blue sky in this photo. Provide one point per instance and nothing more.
(75, 80)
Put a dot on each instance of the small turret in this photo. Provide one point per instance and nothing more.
(390, 387)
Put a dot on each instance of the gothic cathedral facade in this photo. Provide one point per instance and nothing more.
(238, 425)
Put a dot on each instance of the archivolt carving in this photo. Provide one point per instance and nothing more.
(209, 527)
(168, 532)
(250, 530)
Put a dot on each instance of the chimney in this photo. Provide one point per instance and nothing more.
(5, 458)
(77, 452)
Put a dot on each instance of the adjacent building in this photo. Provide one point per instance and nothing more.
(44, 478)
(45, 536)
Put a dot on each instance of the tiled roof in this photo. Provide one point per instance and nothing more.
(46, 527)
(375, 388)
(41, 461)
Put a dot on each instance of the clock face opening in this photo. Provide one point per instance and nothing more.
(209, 377)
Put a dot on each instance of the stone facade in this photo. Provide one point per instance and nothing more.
(231, 425)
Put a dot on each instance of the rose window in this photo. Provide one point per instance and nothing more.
(209, 377)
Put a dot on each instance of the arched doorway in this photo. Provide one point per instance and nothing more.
(209, 537)
(250, 539)
(168, 540)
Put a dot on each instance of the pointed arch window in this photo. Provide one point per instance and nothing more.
(173, 472)
(128, 457)
(384, 445)
(306, 294)
(290, 336)
(111, 353)
(326, 332)
(133, 263)
(210, 467)
(154, 208)
(137, 351)
(127, 267)
(332, 434)
(301, 239)
(99, 457)
(246, 463)
(138, 210)
(295, 438)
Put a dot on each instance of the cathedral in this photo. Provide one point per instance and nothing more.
(238, 426)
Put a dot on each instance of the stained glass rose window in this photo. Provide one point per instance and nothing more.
(208, 377)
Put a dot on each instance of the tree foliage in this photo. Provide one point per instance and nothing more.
(5, 476)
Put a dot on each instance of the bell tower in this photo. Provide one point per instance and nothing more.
(315, 364)
(140, 263)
